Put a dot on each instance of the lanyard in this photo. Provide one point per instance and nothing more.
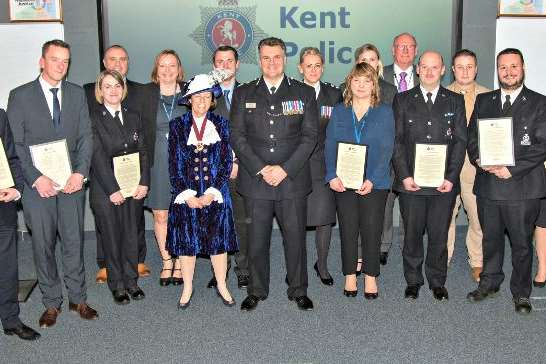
(168, 114)
(199, 133)
(357, 132)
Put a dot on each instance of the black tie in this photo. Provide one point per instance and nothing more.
(429, 101)
(116, 117)
(506, 106)
(56, 108)
(273, 89)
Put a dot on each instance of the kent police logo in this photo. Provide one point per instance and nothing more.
(229, 25)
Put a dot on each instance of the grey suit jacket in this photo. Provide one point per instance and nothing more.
(31, 123)
(388, 75)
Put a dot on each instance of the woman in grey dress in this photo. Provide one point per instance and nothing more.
(163, 93)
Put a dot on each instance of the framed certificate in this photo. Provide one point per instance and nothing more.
(53, 161)
(127, 173)
(6, 179)
(430, 164)
(496, 142)
(351, 164)
(35, 10)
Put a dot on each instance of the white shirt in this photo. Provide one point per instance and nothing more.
(409, 76)
(112, 112)
(276, 85)
(316, 86)
(513, 95)
(49, 95)
(434, 93)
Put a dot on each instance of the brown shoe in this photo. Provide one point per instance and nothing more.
(83, 309)
(101, 276)
(49, 317)
(476, 273)
(143, 270)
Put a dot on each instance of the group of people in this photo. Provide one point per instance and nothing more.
(219, 160)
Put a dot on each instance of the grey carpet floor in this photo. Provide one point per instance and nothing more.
(339, 330)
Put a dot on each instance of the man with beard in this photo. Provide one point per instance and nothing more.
(508, 197)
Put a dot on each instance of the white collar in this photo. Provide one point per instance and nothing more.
(397, 70)
(433, 92)
(276, 85)
(112, 111)
(316, 86)
(513, 96)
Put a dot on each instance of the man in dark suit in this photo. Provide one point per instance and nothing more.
(509, 196)
(227, 58)
(402, 74)
(51, 109)
(116, 58)
(428, 114)
(9, 307)
(274, 130)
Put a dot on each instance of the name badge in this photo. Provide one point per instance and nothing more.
(292, 107)
(326, 111)
(250, 105)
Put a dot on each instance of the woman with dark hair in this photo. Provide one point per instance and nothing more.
(117, 131)
(200, 162)
(163, 94)
(321, 205)
(361, 119)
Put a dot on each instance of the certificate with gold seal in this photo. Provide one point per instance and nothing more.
(496, 142)
(6, 179)
(351, 164)
(127, 173)
(430, 164)
(53, 161)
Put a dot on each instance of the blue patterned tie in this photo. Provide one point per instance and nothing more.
(56, 108)
(228, 101)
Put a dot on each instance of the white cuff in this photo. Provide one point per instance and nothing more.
(18, 195)
(217, 194)
(183, 196)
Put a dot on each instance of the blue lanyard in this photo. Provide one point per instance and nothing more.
(358, 133)
(169, 114)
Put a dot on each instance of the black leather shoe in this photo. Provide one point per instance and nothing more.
(523, 305)
(371, 296)
(212, 283)
(539, 284)
(478, 295)
(242, 281)
(224, 301)
(347, 293)
(412, 292)
(383, 257)
(325, 281)
(24, 332)
(440, 293)
(250, 303)
(120, 297)
(304, 303)
(136, 293)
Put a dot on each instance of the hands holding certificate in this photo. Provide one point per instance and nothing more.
(410, 185)
(46, 187)
(273, 175)
(337, 185)
(8, 194)
(74, 183)
(499, 171)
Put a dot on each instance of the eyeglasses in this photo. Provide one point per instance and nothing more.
(401, 47)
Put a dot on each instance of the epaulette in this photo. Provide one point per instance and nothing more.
(331, 85)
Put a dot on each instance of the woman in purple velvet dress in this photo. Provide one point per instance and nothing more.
(200, 161)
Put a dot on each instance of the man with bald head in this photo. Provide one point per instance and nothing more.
(428, 114)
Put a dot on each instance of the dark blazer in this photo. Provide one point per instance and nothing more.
(8, 211)
(528, 113)
(265, 133)
(388, 75)
(133, 100)
(445, 124)
(221, 104)
(114, 139)
(31, 123)
(150, 103)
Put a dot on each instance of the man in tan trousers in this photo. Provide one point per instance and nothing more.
(465, 69)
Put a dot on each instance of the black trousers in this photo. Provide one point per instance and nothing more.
(518, 218)
(142, 250)
(9, 306)
(361, 215)
(291, 216)
(431, 214)
(118, 230)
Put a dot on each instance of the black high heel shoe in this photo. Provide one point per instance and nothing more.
(325, 281)
(177, 281)
(183, 306)
(163, 282)
(350, 293)
(224, 301)
(539, 284)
